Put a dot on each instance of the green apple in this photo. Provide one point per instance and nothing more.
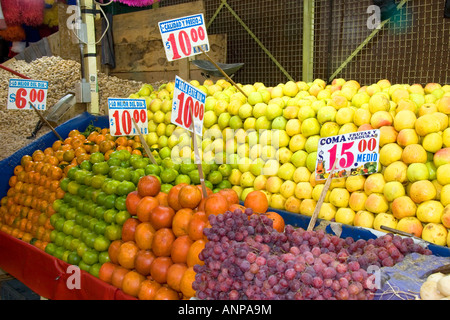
(235, 177)
(259, 110)
(291, 112)
(249, 123)
(329, 129)
(254, 98)
(298, 158)
(312, 143)
(262, 123)
(245, 111)
(286, 171)
(210, 102)
(223, 120)
(209, 119)
(326, 113)
(279, 123)
(247, 180)
(284, 155)
(311, 161)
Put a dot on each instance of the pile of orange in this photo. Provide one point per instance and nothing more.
(162, 240)
(26, 209)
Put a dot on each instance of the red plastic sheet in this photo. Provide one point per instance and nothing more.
(51, 277)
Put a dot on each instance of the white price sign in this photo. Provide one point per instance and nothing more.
(23, 91)
(121, 112)
(357, 153)
(186, 97)
(182, 37)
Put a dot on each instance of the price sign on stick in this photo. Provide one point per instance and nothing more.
(23, 91)
(182, 37)
(187, 99)
(357, 153)
(121, 115)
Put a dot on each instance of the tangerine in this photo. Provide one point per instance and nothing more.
(180, 249)
(131, 283)
(257, 201)
(174, 275)
(186, 283)
(127, 254)
(181, 220)
(143, 262)
(231, 195)
(148, 186)
(159, 268)
(145, 207)
(162, 242)
(118, 275)
(193, 252)
(278, 221)
(106, 271)
(113, 250)
(129, 229)
(195, 228)
(144, 235)
(132, 201)
(172, 196)
(162, 199)
(161, 217)
(165, 293)
(216, 204)
(148, 289)
(189, 196)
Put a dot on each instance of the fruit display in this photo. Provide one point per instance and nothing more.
(97, 201)
(409, 190)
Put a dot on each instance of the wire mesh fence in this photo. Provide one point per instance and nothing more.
(266, 35)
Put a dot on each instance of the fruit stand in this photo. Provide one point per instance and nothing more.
(301, 190)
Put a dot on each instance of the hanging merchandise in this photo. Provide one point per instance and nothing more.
(2, 19)
(137, 3)
(28, 12)
(12, 12)
(13, 33)
(32, 12)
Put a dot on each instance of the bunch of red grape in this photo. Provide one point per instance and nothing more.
(246, 259)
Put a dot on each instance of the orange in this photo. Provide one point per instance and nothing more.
(161, 217)
(129, 229)
(181, 220)
(143, 235)
(159, 269)
(231, 195)
(118, 275)
(193, 252)
(113, 250)
(189, 196)
(131, 283)
(162, 199)
(148, 290)
(257, 201)
(195, 228)
(180, 249)
(143, 262)
(172, 196)
(165, 293)
(145, 207)
(174, 275)
(162, 242)
(148, 186)
(216, 204)
(132, 201)
(106, 271)
(186, 283)
(278, 221)
(127, 254)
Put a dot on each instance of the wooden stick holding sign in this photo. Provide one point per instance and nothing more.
(313, 220)
(222, 72)
(144, 143)
(45, 120)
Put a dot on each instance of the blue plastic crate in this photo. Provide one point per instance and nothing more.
(16, 290)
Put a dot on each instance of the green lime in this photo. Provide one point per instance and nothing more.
(100, 168)
(73, 258)
(50, 248)
(71, 173)
(77, 229)
(125, 187)
(225, 169)
(215, 177)
(103, 257)
(86, 165)
(121, 174)
(100, 226)
(84, 266)
(96, 157)
(97, 180)
(122, 216)
(113, 162)
(152, 169)
(168, 175)
(72, 187)
(95, 269)
(224, 184)
(120, 203)
(113, 232)
(182, 178)
(64, 183)
(110, 186)
(195, 176)
(185, 168)
(110, 215)
(101, 243)
(165, 187)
